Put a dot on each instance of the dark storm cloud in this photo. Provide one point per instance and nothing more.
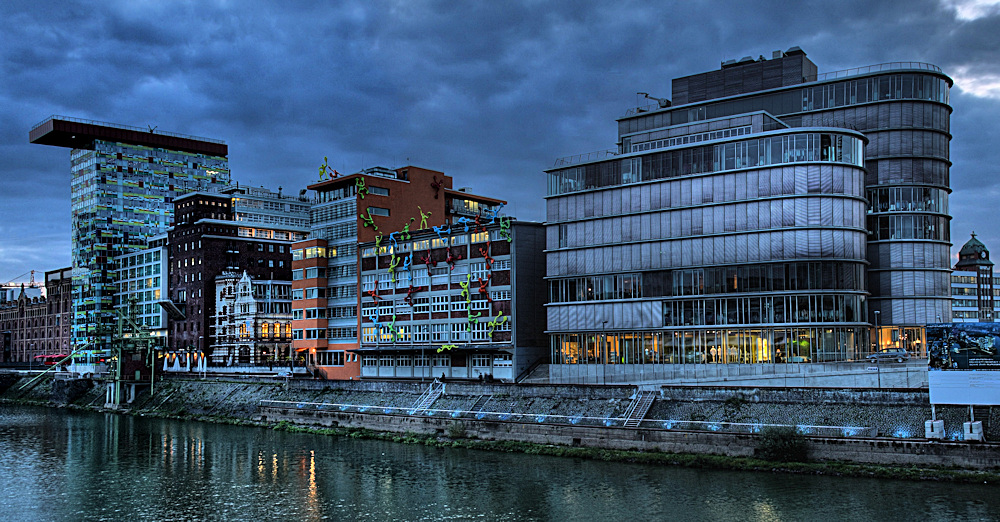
(489, 92)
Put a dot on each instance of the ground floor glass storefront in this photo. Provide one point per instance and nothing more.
(714, 346)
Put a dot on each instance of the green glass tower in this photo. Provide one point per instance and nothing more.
(124, 181)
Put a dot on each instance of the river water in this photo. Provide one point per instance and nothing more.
(64, 465)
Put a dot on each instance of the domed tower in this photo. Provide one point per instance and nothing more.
(972, 283)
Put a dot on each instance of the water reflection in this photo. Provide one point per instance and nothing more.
(83, 466)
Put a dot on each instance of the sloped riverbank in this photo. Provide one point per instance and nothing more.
(696, 427)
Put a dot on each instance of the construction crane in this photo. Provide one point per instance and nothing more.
(31, 282)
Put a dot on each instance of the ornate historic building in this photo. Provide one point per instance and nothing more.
(253, 321)
(31, 326)
(973, 286)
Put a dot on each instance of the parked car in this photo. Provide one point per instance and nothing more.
(889, 354)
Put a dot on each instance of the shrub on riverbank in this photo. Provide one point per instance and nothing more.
(782, 444)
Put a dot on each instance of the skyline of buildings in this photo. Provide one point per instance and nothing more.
(779, 263)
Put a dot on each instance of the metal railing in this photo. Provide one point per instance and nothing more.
(881, 67)
(128, 127)
(585, 157)
(547, 418)
(832, 75)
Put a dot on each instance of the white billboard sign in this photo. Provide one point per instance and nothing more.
(975, 388)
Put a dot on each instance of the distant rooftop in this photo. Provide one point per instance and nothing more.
(819, 77)
(65, 131)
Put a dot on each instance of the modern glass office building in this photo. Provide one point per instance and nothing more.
(124, 180)
(767, 214)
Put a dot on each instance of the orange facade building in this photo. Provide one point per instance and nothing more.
(376, 204)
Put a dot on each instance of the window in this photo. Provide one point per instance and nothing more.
(330, 358)
(459, 332)
(421, 334)
(378, 211)
(439, 303)
(379, 191)
(482, 361)
(421, 305)
(439, 332)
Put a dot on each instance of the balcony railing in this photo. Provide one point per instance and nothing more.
(586, 157)
(833, 75)
(881, 67)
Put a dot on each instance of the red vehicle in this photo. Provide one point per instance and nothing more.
(50, 360)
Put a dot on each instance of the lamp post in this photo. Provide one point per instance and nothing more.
(878, 332)
(604, 348)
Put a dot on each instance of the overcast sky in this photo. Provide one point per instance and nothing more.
(489, 92)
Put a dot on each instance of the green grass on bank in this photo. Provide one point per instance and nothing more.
(456, 437)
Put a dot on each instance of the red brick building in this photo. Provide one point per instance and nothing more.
(376, 204)
(31, 326)
(211, 238)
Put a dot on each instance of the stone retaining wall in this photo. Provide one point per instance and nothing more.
(869, 451)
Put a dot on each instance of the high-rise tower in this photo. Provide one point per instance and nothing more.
(124, 180)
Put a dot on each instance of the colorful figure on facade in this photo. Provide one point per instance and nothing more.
(494, 214)
(368, 219)
(436, 185)
(505, 229)
(393, 263)
(392, 328)
(496, 322)
(486, 255)
(405, 234)
(443, 232)
(423, 217)
(323, 169)
(483, 284)
(446, 347)
(465, 287)
(452, 259)
(359, 184)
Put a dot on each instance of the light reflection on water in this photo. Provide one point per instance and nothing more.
(63, 465)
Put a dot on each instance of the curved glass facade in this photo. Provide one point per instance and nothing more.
(906, 117)
(650, 254)
(746, 251)
(829, 95)
(710, 346)
(785, 148)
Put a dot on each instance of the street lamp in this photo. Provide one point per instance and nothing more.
(604, 347)
(878, 332)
